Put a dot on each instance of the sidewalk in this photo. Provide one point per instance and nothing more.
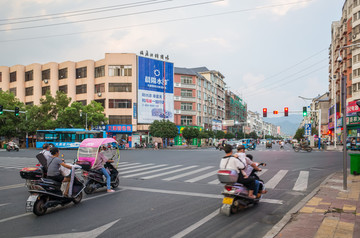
(331, 212)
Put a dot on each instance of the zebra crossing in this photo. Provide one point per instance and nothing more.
(182, 173)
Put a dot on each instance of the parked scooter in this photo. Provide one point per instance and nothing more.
(14, 147)
(236, 195)
(46, 193)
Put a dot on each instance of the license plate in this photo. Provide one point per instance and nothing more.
(32, 198)
(228, 200)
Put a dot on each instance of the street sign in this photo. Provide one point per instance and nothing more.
(308, 129)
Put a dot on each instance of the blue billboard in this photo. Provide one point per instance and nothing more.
(155, 90)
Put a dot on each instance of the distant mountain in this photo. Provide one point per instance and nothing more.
(288, 125)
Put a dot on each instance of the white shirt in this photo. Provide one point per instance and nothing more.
(47, 154)
(248, 168)
(231, 163)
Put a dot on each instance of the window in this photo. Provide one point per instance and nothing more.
(205, 108)
(83, 102)
(120, 70)
(99, 88)
(102, 101)
(186, 93)
(100, 71)
(29, 91)
(199, 121)
(29, 75)
(80, 89)
(29, 103)
(119, 103)
(81, 72)
(199, 94)
(13, 91)
(205, 96)
(199, 82)
(45, 74)
(186, 120)
(199, 107)
(63, 88)
(113, 120)
(0, 77)
(186, 79)
(63, 73)
(186, 106)
(44, 90)
(13, 77)
(119, 87)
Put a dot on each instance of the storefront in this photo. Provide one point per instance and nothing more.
(179, 140)
(121, 133)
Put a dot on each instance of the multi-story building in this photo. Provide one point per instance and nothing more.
(345, 40)
(236, 110)
(111, 81)
(320, 104)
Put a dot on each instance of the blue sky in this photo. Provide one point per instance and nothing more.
(270, 51)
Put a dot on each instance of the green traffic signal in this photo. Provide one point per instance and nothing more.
(304, 111)
(17, 111)
(1, 109)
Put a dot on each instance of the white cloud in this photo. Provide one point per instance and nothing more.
(283, 10)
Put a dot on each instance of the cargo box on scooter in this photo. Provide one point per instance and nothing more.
(227, 176)
(32, 173)
(85, 165)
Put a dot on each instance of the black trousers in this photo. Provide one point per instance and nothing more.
(57, 178)
(247, 182)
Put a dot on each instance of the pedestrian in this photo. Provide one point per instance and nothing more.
(156, 145)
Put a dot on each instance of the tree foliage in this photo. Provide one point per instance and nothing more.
(163, 129)
(219, 134)
(229, 136)
(190, 133)
(299, 134)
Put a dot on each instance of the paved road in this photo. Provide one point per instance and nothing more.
(165, 193)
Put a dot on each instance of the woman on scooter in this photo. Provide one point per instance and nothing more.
(99, 165)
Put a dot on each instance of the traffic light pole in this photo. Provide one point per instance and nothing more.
(27, 134)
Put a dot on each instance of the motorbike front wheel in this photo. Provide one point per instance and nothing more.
(39, 208)
(116, 183)
(296, 149)
(78, 198)
(309, 149)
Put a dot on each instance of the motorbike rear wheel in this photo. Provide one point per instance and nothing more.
(296, 149)
(309, 149)
(89, 189)
(78, 198)
(39, 208)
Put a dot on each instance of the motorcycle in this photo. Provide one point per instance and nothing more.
(236, 194)
(298, 148)
(46, 193)
(87, 155)
(15, 147)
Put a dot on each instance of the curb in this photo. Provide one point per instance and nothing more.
(285, 220)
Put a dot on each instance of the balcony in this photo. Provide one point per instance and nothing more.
(184, 99)
(183, 85)
(182, 112)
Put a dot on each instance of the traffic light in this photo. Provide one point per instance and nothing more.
(17, 111)
(1, 109)
(304, 111)
(286, 111)
(358, 104)
(275, 112)
(264, 112)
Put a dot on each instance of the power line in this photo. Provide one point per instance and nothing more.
(71, 12)
(108, 17)
(124, 6)
(154, 23)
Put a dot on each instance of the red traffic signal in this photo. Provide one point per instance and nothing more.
(286, 111)
(264, 112)
(275, 112)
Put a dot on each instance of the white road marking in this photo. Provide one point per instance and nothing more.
(19, 185)
(276, 179)
(261, 172)
(189, 173)
(151, 171)
(302, 181)
(216, 181)
(196, 225)
(136, 166)
(201, 177)
(170, 172)
(4, 204)
(147, 168)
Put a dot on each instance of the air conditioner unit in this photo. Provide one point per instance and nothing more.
(99, 94)
(354, 36)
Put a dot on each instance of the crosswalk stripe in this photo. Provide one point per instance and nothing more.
(189, 173)
(201, 177)
(261, 172)
(151, 171)
(134, 167)
(276, 179)
(142, 169)
(302, 181)
(169, 172)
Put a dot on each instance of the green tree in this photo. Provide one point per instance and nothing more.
(229, 136)
(210, 133)
(163, 129)
(253, 135)
(11, 125)
(190, 133)
(299, 133)
(219, 134)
